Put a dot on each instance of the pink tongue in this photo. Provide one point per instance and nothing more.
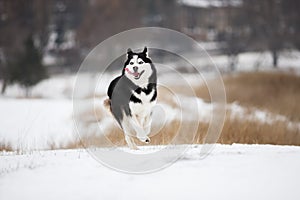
(134, 73)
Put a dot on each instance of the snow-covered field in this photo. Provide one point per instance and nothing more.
(36, 124)
(47, 121)
(229, 172)
(28, 124)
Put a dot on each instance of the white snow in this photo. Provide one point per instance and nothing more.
(68, 40)
(248, 61)
(30, 124)
(231, 172)
(51, 41)
(55, 87)
(46, 121)
(49, 59)
(261, 116)
(210, 3)
(36, 123)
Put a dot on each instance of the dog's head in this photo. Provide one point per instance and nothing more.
(138, 67)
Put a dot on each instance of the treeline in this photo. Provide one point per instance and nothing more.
(271, 25)
(68, 29)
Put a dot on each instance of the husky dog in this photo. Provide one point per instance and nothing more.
(132, 96)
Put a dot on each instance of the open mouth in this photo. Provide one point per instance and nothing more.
(136, 75)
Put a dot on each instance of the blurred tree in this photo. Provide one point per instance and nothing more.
(162, 13)
(20, 19)
(3, 71)
(234, 35)
(271, 25)
(290, 10)
(267, 25)
(104, 18)
(28, 70)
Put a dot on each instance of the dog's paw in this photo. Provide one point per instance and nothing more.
(145, 139)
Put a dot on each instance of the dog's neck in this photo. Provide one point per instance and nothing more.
(142, 82)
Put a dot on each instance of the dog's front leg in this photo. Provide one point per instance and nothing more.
(147, 124)
(139, 129)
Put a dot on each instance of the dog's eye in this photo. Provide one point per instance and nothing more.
(131, 63)
(141, 62)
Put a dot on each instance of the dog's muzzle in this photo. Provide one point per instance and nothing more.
(135, 74)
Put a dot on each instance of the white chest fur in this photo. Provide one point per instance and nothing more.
(142, 109)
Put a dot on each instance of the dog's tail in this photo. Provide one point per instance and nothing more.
(107, 105)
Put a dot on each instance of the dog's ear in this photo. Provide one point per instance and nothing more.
(129, 51)
(145, 51)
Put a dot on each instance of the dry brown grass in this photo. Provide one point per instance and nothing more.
(5, 147)
(166, 96)
(254, 132)
(166, 135)
(234, 131)
(116, 137)
(276, 92)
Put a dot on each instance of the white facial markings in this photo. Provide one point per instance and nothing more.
(134, 60)
(138, 71)
(140, 61)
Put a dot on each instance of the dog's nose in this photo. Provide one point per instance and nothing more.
(135, 69)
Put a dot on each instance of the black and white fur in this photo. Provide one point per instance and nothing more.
(132, 96)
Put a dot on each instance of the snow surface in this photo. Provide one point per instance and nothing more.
(28, 124)
(47, 121)
(262, 116)
(31, 124)
(210, 3)
(229, 172)
(249, 61)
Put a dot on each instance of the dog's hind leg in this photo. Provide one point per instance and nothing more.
(129, 140)
(107, 106)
